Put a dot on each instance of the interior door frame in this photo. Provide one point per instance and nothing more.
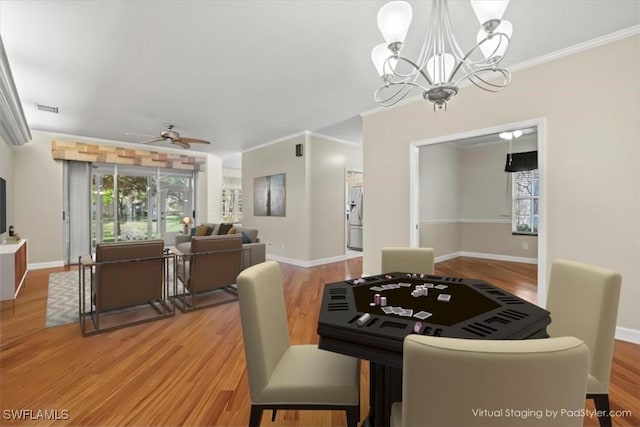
(414, 183)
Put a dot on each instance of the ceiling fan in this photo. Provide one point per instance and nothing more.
(174, 137)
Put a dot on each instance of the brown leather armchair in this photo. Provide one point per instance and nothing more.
(213, 264)
(126, 275)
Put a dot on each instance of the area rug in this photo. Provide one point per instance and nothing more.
(63, 300)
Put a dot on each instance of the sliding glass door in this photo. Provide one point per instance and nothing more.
(139, 203)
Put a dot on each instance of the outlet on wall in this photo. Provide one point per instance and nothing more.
(525, 246)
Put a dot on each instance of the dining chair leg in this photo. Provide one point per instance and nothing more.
(353, 415)
(256, 416)
(603, 408)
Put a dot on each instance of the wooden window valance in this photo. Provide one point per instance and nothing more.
(86, 152)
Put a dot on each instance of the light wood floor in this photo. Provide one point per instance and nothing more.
(190, 369)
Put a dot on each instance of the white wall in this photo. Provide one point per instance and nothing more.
(6, 172)
(313, 230)
(592, 157)
(210, 191)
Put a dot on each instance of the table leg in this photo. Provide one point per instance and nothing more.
(385, 387)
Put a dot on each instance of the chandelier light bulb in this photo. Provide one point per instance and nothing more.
(489, 10)
(517, 133)
(495, 46)
(439, 67)
(506, 135)
(394, 19)
(379, 56)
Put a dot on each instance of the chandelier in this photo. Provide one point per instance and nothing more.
(442, 65)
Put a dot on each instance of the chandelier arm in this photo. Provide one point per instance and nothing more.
(418, 70)
(394, 98)
(486, 85)
(490, 60)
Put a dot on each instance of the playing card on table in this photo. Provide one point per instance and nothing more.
(422, 315)
(441, 287)
(405, 285)
(394, 286)
(386, 287)
(428, 285)
(376, 288)
(397, 310)
(407, 312)
(387, 310)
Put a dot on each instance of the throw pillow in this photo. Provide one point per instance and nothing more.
(209, 231)
(224, 229)
(232, 230)
(245, 238)
(201, 230)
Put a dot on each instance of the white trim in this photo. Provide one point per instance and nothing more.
(414, 195)
(304, 133)
(498, 257)
(484, 221)
(589, 44)
(310, 263)
(439, 221)
(465, 221)
(41, 265)
(446, 257)
(628, 334)
(334, 139)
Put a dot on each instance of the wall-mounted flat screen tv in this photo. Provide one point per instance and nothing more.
(3, 206)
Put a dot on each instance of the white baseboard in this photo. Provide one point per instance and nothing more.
(310, 263)
(498, 257)
(446, 257)
(41, 265)
(628, 334)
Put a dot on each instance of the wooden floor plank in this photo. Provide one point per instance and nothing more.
(190, 369)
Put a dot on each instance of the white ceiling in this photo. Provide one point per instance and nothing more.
(240, 73)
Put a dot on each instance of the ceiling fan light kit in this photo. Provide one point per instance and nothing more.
(442, 65)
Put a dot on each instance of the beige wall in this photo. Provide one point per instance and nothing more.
(439, 187)
(496, 239)
(329, 161)
(38, 199)
(210, 191)
(287, 236)
(6, 172)
(313, 229)
(443, 237)
(483, 181)
(592, 157)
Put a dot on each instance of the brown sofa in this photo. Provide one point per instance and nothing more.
(126, 274)
(254, 252)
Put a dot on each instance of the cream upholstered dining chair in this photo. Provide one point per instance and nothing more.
(468, 382)
(285, 376)
(407, 260)
(583, 301)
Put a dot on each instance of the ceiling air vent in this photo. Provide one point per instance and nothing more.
(47, 108)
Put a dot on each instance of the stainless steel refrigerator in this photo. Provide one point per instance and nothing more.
(355, 218)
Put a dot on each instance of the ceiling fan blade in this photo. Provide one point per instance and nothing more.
(194, 140)
(151, 141)
(181, 143)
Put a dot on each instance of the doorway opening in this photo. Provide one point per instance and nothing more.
(463, 203)
(354, 211)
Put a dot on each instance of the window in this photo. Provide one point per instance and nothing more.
(525, 202)
(232, 199)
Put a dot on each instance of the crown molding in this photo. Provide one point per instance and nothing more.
(304, 133)
(334, 139)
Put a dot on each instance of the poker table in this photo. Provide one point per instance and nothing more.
(369, 318)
